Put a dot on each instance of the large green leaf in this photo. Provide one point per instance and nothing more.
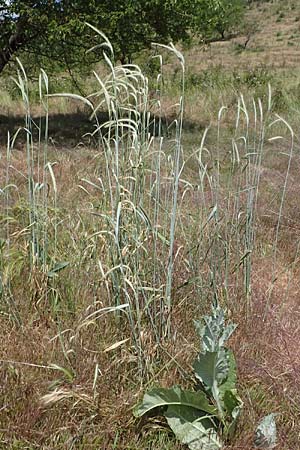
(217, 372)
(193, 428)
(161, 397)
(212, 368)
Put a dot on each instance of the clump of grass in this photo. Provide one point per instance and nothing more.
(142, 220)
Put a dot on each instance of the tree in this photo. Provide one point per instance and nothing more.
(55, 29)
(219, 17)
(227, 15)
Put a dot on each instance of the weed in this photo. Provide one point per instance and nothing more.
(196, 417)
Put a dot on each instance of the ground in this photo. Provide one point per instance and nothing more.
(69, 381)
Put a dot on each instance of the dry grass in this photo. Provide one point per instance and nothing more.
(268, 357)
(40, 405)
(274, 41)
(50, 397)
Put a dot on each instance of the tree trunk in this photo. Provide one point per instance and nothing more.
(123, 59)
(15, 42)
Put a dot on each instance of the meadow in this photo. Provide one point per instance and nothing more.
(171, 185)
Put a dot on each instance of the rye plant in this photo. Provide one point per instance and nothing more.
(230, 189)
(37, 228)
(140, 190)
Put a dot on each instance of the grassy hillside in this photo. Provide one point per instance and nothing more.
(117, 232)
(270, 39)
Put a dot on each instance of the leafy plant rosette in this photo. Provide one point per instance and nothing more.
(203, 419)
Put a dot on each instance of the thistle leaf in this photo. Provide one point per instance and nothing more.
(192, 428)
(211, 368)
(161, 397)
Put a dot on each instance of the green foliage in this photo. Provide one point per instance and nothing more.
(254, 79)
(196, 418)
(218, 17)
(208, 79)
(55, 32)
(215, 366)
